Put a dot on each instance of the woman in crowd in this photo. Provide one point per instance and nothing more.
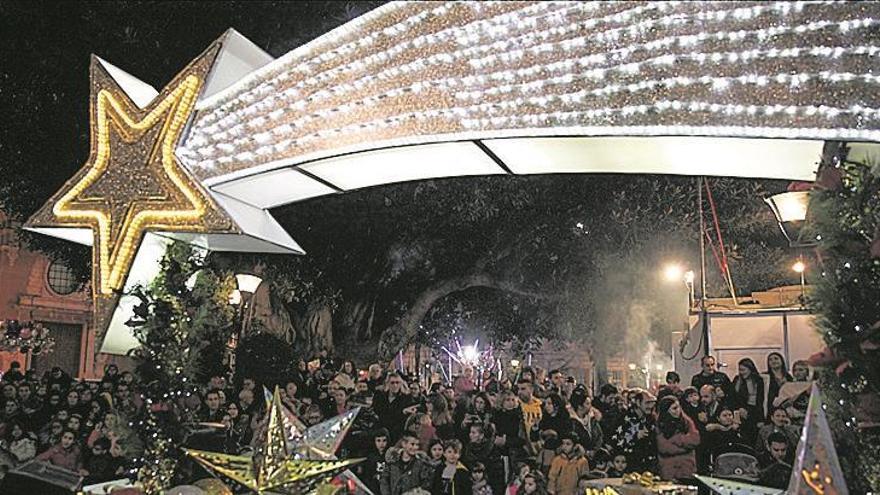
(677, 438)
(19, 442)
(794, 396)
(778, 375)
(65, 454)
(748, 397)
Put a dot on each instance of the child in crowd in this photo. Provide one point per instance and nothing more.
(435, 452)
(370, 471)
(515, 486)
(567, 467)
(618, 465)
(478, 478)
(533, 484)
(722, 434)
(691, 402)
(451, 478)
(600, 463)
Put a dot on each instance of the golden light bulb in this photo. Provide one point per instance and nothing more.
(799, 267)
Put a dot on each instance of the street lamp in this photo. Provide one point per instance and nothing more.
(673, 272)
(241, 299)
(790, 210)
(248, 283)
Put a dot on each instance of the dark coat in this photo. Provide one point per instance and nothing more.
(509, 423)
(390, 412)
(716, 379)
(486, 453)
(400, 477)
(460, 484)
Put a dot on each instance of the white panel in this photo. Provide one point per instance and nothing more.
(145, 267)
(274, 188)
(803, 338)
(256, 224)
(79, 236)
(242, 243)
(746, 331)
(140, 92)
(735, 157)
(238, 57)
(404, 164)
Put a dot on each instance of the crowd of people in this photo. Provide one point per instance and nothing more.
(535, 432)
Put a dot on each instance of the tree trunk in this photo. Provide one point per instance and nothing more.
(265, 315)
(406, 328)
(314, 329)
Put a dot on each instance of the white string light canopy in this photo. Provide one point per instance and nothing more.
(482, 80)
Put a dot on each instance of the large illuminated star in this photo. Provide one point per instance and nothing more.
(272, 469)
(132, 181)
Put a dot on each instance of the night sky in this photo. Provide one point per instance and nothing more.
(44, 60)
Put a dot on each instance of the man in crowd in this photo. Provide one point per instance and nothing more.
(389, 405)
(709, 375)
(532, 412)
(636, 436)
(211, 412)
(775, 469)
(407, 468)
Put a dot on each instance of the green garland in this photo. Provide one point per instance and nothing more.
(175, 321)
(846, 217)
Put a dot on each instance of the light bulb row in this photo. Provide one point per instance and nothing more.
(533, 33)
(577, 119)
(454, 67)
(228, 140)
(289, 94)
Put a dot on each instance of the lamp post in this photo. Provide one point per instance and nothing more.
(241, 298)
(790, 210)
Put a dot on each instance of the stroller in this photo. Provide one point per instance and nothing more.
(737, 462)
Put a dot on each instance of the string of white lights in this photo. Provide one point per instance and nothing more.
(422, 70)
(718, 83)
(532, 32)
(626, 68)
(568, 118)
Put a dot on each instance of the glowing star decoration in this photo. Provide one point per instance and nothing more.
(319, 442)
(133, 182)
(816, 468)
(323, 440)
(271, 469)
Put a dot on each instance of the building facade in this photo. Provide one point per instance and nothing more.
(35, 288)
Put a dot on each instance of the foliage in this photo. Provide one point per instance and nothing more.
(176, 320)
(546, 241)
(266, 358)
(847, 304)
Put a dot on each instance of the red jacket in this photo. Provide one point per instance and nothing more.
(676, 453)
(68, 459)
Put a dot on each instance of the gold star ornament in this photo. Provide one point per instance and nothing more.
(272, 469)
(134, 183)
